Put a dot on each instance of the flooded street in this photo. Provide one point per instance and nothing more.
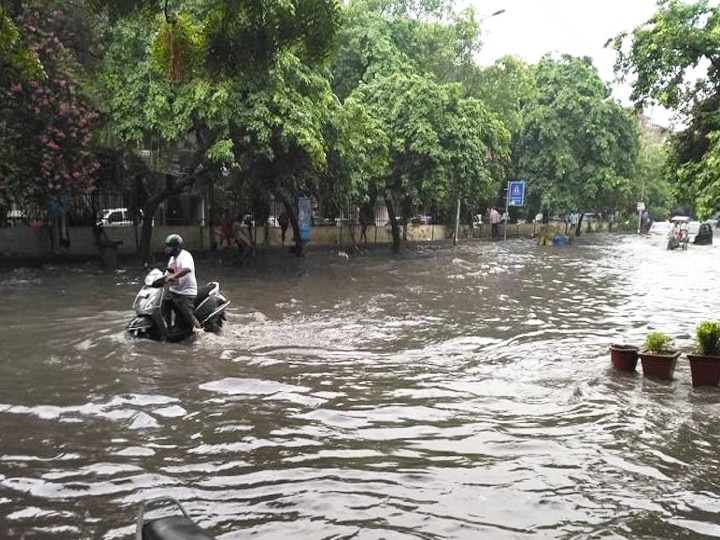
(446, 393)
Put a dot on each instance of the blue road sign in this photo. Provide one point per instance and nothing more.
(304, 218)
(516, 193)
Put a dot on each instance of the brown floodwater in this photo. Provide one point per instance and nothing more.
(445, 393)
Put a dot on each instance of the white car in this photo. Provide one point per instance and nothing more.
(659, 229)
(116, 217)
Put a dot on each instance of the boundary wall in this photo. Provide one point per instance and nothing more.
(44, 241)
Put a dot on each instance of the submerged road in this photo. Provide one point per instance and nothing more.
(446, 393)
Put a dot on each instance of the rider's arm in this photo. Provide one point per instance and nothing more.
(178, 274)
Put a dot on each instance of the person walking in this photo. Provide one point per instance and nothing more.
(225, 227)
(365, 221)
(574, 219)
(611, 220)
(284, 223)
(494, 222)
(181, 275)
(237, 233)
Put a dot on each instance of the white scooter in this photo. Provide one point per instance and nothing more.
(156, 318)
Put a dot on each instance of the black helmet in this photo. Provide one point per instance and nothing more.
(174, 244)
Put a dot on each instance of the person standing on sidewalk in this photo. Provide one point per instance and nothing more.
(574, 220)
(494, 222)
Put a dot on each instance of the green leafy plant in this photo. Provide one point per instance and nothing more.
(658, 343)
(707, 338)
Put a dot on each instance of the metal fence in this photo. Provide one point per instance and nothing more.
(188, 209)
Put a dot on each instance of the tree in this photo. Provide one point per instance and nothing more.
(47, 120)
(578, 147)
(438, 142)
(508, 88)
(207, 74)
(278, 131)
(674, 59)
(17, 60)
(387, 36)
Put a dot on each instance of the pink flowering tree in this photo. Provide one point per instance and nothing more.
(47, 121)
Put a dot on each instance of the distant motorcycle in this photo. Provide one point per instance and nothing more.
(156, 317)
(678, 239)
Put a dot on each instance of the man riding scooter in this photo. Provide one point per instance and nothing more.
(181, 275)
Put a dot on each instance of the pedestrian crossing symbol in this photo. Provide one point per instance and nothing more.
(516, 193)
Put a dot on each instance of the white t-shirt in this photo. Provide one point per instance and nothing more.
(186, 285)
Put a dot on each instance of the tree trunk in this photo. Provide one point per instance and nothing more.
(151, 205)
(393, 224)
(299, 248)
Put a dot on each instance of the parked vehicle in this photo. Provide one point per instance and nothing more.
(659, 229)
(421, 219)
(156, 319)
(115, 217)
(700, 234)
(16, 218)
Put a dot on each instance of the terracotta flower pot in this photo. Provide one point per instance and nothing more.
(704, 369)
(660, 366)
(624, 357)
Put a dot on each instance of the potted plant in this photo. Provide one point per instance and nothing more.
(705, 359)
(624, 357)
(658, 356)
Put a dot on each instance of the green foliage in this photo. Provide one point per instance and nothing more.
(658, 343)
(358, 153)
(222, 152)
(17, 61)
(674, 59)
(178, 50)
(47, 119)
(508, 88)
(707, 338)
(578, 147)
(653, 183)
(662, 52)
(438, 141)
(244, 37)
(386, 37)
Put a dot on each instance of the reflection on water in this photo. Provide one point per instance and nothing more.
(445, 393)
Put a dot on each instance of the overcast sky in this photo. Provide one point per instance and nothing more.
(530, 28)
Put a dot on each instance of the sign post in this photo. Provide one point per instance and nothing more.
(515, 197)
(304, 218)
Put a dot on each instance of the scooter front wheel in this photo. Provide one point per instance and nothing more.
(143, 327)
